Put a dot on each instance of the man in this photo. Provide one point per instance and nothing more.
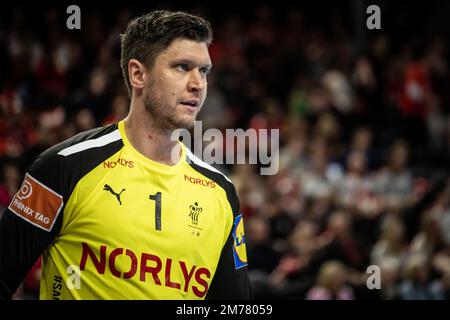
(124, 212)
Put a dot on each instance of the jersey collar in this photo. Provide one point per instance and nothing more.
(161, 167)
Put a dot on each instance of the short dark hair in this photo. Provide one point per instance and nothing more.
(148, 35)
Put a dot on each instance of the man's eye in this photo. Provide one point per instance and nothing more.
(182, 67)
(204, 71)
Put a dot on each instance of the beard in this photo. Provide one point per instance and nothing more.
(165, 117)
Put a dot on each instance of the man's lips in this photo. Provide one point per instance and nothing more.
(191, 103)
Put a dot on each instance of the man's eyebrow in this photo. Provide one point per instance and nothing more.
(192, 62)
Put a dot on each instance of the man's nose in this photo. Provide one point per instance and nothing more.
(197, 82)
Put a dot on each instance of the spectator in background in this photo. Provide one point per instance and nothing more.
(331, 283)
(428, 241)
(120, 106)
(263, 256)
(341, 91)
(84, 120)
(416, 285)
(436, 237)
(394, 181)
(356, 190)
(390, 277)
(316, 181)
(10, 177)
(362, 141)
(250, 186)
(440, 210)
(392, 243)
(293, 155)
(343, 245)
(97, 97)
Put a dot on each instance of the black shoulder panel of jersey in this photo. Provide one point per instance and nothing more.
(78, 164)
(229, 283)
(220, 179)
(21, 242)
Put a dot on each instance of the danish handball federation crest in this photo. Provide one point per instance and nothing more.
(195, 210)
(239, 248)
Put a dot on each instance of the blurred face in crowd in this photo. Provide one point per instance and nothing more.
(399, 156)
(356, 162)
(332, 275)
(362, 139)
(176, 84)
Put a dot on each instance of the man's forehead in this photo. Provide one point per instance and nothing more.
(189, 50)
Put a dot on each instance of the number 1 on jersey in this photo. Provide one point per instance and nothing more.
(157, 198)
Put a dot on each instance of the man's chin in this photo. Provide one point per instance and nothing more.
(184, 124)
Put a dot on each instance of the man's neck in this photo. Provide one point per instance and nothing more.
(149, 140)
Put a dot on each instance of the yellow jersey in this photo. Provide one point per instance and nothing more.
(112, 224)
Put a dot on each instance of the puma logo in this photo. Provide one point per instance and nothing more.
(107, 187)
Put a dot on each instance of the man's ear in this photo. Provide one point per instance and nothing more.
(136, 74)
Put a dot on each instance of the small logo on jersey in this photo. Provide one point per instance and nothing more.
(107, 187)
(201, 182)
(36, 203)
(25, 191)
(195, 211)
(110, 164)
(239, 247)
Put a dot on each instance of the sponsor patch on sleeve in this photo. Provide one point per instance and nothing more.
(239, 248)
(36, 203)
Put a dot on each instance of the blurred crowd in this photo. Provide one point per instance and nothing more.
(364, 138)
